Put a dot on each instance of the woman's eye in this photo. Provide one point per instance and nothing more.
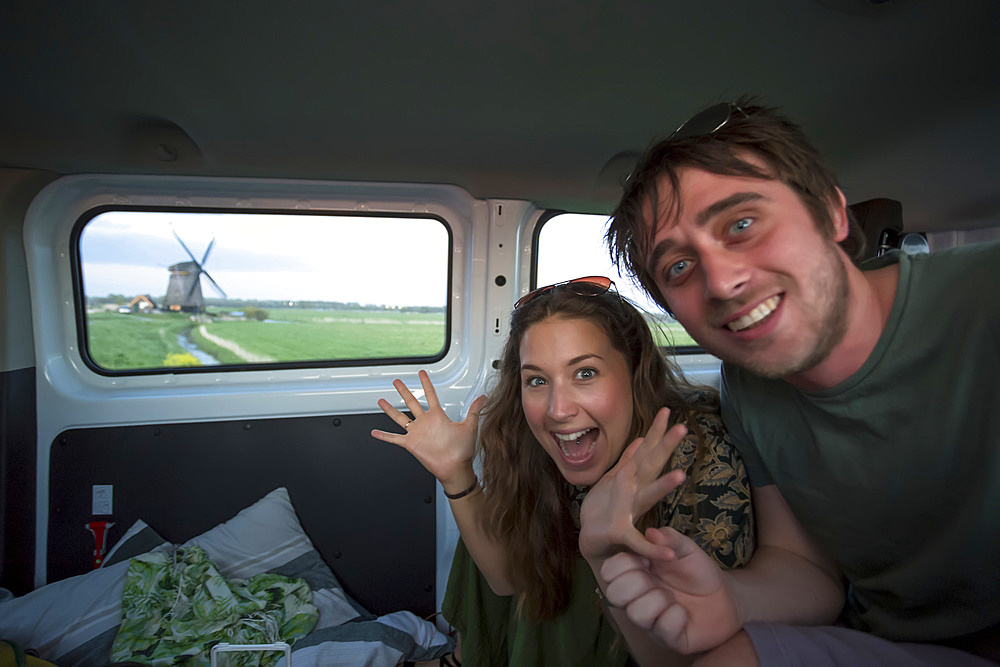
(585, 373)
(534, 381)
(740, 225)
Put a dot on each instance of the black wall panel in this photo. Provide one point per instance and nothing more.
(368, 506)
(17, 480)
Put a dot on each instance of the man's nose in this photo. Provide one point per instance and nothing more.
(725, 273)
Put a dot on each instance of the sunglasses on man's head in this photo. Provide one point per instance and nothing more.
(586, 286)
(704, 123)
(708, 121)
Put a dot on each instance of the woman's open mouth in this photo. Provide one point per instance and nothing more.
(578, 445)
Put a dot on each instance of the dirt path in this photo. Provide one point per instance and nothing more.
(234, 348)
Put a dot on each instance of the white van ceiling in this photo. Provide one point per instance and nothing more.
(526, 100)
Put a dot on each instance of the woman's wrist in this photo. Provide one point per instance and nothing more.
(460, 484)
(474, 486)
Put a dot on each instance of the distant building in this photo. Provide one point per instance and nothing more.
(141, 303)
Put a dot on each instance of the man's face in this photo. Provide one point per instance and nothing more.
(749, 275)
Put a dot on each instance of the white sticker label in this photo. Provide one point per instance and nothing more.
(102, 499)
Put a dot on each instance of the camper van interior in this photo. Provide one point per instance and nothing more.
(226, 228)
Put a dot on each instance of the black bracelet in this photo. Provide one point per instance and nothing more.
(462, 494)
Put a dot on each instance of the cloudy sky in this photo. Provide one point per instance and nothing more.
(383, 261)
(571, 246)
(393, 261)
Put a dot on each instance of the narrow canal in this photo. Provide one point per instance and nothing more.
(202, 356)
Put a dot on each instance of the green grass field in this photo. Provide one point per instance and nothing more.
(668, 333)
(119, 341)
(135, 341)
(132, 341)
(304, 335)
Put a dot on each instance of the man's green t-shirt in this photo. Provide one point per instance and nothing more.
(895, 472)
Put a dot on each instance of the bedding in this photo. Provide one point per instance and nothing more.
(75, 621)
(177, 604)
(138, 539)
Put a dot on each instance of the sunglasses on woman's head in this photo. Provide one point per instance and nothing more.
(586, 286)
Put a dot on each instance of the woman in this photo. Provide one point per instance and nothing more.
(580, 378)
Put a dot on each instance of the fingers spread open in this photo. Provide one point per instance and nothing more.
(429, 392)
(650, 494)
(658, 452)
(475, 408)
(630, 451)
(393, 414)
(411, 401)
(657, 429)
(385, 436)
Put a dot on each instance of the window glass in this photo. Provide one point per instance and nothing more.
(189, 290)
(571, 245)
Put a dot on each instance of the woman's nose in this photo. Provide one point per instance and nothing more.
(562, 404)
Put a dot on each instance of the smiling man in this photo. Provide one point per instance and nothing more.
(877, 506)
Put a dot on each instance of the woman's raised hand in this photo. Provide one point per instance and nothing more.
(444, 447)
(629, 490)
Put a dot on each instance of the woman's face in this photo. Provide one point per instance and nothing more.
(576, 392)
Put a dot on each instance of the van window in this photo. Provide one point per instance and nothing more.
(571, 245)
(172, 291)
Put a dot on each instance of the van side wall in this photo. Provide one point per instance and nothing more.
(184, 452)
(17, 384)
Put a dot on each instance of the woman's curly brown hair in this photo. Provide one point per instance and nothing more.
(527, 500)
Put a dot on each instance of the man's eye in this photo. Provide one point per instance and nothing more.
(740, 225)
(678, 268)
(585, 373)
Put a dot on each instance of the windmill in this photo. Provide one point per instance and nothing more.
(184, 288)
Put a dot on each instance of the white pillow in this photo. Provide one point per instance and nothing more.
(267, 537)
(137, 540)
(74, 621)
(68, 616)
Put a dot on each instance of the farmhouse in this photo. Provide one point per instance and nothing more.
(141, 303)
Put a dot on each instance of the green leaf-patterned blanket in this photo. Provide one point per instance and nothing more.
(176, 606)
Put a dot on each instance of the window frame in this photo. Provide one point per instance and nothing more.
(80, 305)
(691, 351)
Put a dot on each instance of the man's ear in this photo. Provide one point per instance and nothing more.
(838, 217)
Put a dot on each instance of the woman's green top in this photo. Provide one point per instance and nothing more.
(494, 635)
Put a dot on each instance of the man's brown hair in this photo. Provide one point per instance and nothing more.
(752, 130)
